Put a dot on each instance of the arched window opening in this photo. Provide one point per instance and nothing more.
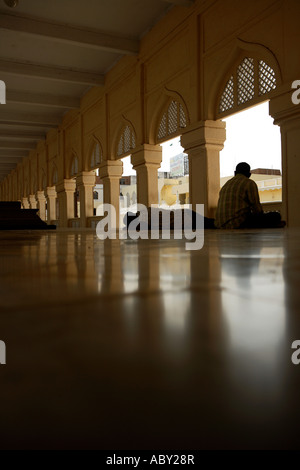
(251, 80)
(128, 188)
(73, 173)
(127, 141)
(98, 195)
(252, 137)
(172, 120)
(173, 176)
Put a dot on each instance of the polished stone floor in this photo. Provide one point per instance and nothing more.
(123, 344)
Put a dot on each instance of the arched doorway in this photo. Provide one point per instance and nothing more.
(173, 176)
(252, 137)
(250, 133)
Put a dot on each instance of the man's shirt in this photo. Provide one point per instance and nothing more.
(237, 199)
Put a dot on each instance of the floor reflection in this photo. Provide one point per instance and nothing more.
(132, 333)
(253, 293)
(254, 309)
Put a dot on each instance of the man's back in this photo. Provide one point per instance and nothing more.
(238, 198)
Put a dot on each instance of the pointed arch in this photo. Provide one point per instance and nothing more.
(126, 139)
(172, 119)
(95, 154)
(251, 78)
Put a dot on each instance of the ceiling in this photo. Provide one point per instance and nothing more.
(52, 52)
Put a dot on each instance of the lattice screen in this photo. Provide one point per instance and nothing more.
(227, 98)
(245, 81)
(251, 79)
(267, 79)
(182, 117)
(162, 130)
(173, 119)
(126, 142)
(96, 157)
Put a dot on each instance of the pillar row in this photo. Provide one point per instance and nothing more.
(146, 160)
(32, 201)
(65, 194)
(41, 204)
(51, 204)
(203, 143)
(86, 182)
(110, 172)
(286, 114)
(25, 202)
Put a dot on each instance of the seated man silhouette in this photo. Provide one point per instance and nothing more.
(239, 205)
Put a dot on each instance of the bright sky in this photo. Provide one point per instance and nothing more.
(250, 137)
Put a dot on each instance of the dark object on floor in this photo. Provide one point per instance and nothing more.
(12, 217)
(271, 219)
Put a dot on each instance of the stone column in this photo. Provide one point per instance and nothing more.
(146, 160)
(203, 143)
(86, 182)
(51, 203)
(25, 202)
(110, 172)
(65, 194)
(286, 114)
(41, 204)
(32, 201)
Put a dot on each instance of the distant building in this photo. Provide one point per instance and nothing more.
(269, 182)
(179, 165)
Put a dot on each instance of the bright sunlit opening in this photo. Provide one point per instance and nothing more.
(251, 137)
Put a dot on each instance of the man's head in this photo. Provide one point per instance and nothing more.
(243, 169)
